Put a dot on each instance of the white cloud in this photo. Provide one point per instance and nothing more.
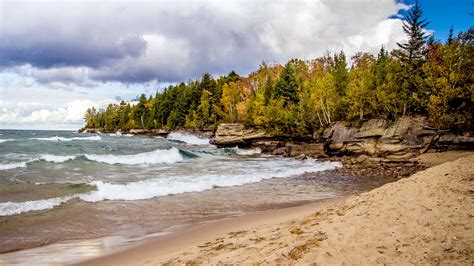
(37, 115)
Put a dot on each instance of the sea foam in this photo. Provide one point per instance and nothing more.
(9, 166)
(172, 155)
(56, 138)
(5, 140)
(187, 138)
(12, 208)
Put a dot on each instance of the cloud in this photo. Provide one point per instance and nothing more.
(77, 43)
(34, 115)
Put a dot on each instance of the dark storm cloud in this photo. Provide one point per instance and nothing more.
(81, 42)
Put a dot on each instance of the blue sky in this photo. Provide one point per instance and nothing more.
(59, 57)
(444, 13)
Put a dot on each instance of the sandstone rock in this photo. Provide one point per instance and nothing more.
(372, 128)
(310, 149)
(235, 134)
(285, 151)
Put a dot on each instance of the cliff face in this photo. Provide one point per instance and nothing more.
(402, 139)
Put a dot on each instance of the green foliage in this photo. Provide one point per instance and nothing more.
(450, 81)
(287, 85)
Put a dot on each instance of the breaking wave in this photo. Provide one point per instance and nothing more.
(8, 166)
(173, 185)
(12, 208)
(172, 155)
(56, 158)
(56, 138)
(187, 138)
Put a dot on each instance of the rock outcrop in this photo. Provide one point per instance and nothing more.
(398, 140)
(237, 134)
(149, 132)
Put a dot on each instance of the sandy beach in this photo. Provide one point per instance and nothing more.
(424, 219)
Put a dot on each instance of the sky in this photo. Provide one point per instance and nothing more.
(57, 58)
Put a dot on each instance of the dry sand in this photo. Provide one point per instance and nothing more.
(424, 219)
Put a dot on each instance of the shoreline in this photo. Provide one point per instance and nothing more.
(206, 231)
(308, 233)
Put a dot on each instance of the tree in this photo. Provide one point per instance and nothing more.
(287, 85)
(412, 56)
(229, 100)
(324, 98)
(412, 52)
(361, 87)
(450, 36)
(339, 71)
(451, 82)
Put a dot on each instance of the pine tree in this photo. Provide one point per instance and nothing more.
(412, 55)
(413, 51)
(287, 85)
(450, 36)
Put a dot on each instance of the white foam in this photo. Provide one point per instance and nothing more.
(56, 138)
(56, 158)
(12, 208)
(120, 134)
(180, 184)
(187, 138)
(153, 157)
(5, 140)
(248, 151)
(87, 138)
(9, 166)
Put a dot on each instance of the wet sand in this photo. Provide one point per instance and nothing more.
(424, 219)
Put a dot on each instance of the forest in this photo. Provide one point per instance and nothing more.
(424, 76)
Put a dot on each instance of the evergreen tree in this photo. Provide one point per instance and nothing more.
(450, 36)
(412, 56)
(413, 51)
(287, 85)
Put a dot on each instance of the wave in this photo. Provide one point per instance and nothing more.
(120, 134)
(9, 166)
(169, 156)
(56, 138)
(56, 158)
(172, 155)
(237, 150)
(181, 184)
(43, 157)
(187, 138)
(5, 140)
(12, 208)
(168, 186)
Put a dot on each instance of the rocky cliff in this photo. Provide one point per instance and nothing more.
(401, 139)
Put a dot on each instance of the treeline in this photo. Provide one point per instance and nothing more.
(422, 77)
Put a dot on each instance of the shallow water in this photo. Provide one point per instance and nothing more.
(60, 186)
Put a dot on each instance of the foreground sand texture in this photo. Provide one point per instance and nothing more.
(424, 219)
